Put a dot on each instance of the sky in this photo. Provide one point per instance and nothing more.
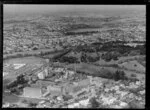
(28, 8)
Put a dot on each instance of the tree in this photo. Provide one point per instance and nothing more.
(12, 85)
(115, 58)
(122, 75)
(21, 79)
(133, 75)
(119, 75)
(24, 101)
(35, 48)
(94, 103)
(83, 57)
(31, 104)
(13, 90)
(69, 59)
(67, 97)
(107, 57)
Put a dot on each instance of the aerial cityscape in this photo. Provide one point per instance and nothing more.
(74, 56)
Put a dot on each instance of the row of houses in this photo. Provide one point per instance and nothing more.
(49, 89)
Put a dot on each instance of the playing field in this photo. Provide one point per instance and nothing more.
(29, 60)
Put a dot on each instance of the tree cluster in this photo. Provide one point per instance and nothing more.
(119, 75)
(68, 59)
(94, 103)
(109, 56)
(13, 87)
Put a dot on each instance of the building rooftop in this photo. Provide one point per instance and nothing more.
(32, 92)
(44, 83)
(84, 82)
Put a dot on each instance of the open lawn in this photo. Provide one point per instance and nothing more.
(7, 97)
(102, 71)
(129, 58)
(25, 60)
(133, 65)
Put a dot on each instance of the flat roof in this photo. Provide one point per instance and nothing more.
(32, 88)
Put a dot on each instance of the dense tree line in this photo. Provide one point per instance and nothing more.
(81, 33)
(118, 75)
(118, 49)
(93, 59)
(38, 54)
(109, 56)
(13, 87)
(68, 59)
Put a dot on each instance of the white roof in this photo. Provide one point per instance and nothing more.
(5, 73)
(19, 65)
(84, 102)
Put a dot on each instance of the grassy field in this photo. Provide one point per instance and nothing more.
(102, 70)
(129, 58)
(133, 65)
(31, 52)
(7, 97)
(29, 60)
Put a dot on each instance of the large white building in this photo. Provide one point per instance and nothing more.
(32, 92)
(43, 73)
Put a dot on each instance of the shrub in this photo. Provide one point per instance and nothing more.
(24, 101)
(92, 59)
(108, 75)
(67, 97)
(133, 75)
(133, 79)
